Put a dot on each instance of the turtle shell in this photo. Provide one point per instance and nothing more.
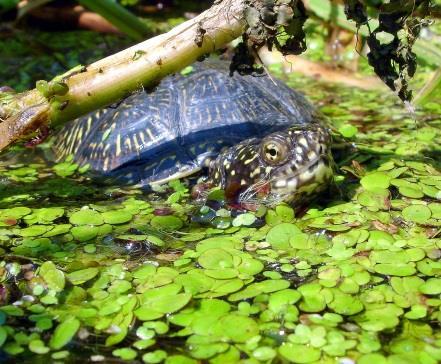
(174, 130)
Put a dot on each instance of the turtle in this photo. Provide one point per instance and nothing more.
(255, 136)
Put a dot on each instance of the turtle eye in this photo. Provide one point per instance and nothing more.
(274, 151)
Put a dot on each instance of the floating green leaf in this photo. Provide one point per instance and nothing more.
(295, 353)
(167, 222)
(116, 217)
(80, 276)
(64, 333)
(376, 180)
(53, 277)
(86, 217)
(280, 235)
(417, 213)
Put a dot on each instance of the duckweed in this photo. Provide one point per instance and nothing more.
(133, 276)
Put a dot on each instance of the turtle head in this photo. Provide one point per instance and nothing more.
(286, 166)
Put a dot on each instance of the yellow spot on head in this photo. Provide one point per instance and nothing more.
(311, 155)
(303, 142)
(255, 172)
(248, 161)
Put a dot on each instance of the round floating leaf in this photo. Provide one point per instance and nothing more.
(280, 235)
(58, 229)
(352, 237)
(237, 328)
(296, 353)
(215, 259)
(313, 300)
(377, 198)
(156, 356)
(53, 277)
(44, 324)
(271, 285)
(225, 287)
(34, 230)
(147, 313)
(80, 276)
(416, 312)
(250, 266)
(119, 286)
(116, 217)
(408, 189)
(371, 359)
(348, 130)
(397, 269)
(285, 212)
(248, 292)
(417, 213)
(204, 350)
(384, 256)
(436, 210)
(159, 326)
(329, 277)
(156, 307)
(64, 333)
(144, 271)
(169, 222)
(376, 180)
(279, 301)
(145, 333)
(345, 304)
(125, 353)
(15, 212)
(381, 239)
(224, 273)
(65, 169)
(155, 240)
(196, 282)
(301, 241)
(431, 286)
(44, 215)
(378, 319)
(226, 242)
(411, 192)
(84, 232)
(38, 347)
(59, 355)
(86, 217)
(264, 353)
(89, 248)
(244, 219)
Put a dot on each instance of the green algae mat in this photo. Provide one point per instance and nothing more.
(111, 274)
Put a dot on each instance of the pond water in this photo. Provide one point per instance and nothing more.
(114, 274)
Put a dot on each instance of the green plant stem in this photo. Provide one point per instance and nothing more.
(88, 88)
(120, 17)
